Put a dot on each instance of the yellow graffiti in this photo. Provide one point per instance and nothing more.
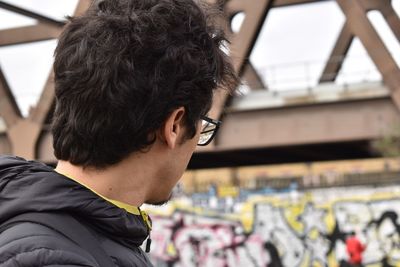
(292, 210)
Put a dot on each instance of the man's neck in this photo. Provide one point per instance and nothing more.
(125, 181)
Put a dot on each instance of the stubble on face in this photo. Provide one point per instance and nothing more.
(189, 146)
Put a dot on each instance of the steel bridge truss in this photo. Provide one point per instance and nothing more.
(29, 136)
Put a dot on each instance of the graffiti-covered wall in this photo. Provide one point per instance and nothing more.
(288, 229)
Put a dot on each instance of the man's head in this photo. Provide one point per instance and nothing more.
(124, 67)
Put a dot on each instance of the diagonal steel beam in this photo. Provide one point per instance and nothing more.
(283, 3)
(345, 38)
(39, 113)
(8, 107)
(252, 78)
(243, 42)
(360, 25)
(82, 6)
(31, 14)
(388, 13)
(337, 56)
(25, 133)
(279, 3)
(46, 100)
(391, 17)
(375, 4)
(28, 34)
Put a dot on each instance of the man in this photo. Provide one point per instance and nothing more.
(354, 249)
(134, 81)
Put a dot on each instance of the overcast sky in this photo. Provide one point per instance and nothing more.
(289, 54)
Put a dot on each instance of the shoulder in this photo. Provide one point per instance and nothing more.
(28, 244)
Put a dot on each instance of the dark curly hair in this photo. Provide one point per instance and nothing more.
(124, 66)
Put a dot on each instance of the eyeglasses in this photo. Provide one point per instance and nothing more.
(209, 128)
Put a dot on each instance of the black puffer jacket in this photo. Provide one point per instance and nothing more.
(33, 187)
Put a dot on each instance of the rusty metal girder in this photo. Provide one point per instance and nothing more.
(256, 11)
(46, 100)
(360, 25)
(392, 19)
(337, 55)
(376, 4)
(361, 8)
(8, 107)
(252, 78)
(39, 113)
(243, 41)
(284, 3)
(21, 35)
(28, 13)
(23, 133)
(82, 6)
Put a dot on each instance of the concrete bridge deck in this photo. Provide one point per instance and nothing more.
(327, 122)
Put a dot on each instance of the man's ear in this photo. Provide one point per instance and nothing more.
(173, 130)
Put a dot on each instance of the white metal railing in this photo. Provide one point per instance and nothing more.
(306, 75)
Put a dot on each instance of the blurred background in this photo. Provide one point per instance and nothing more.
(308, 152)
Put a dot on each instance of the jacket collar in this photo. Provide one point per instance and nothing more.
(28, 186)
